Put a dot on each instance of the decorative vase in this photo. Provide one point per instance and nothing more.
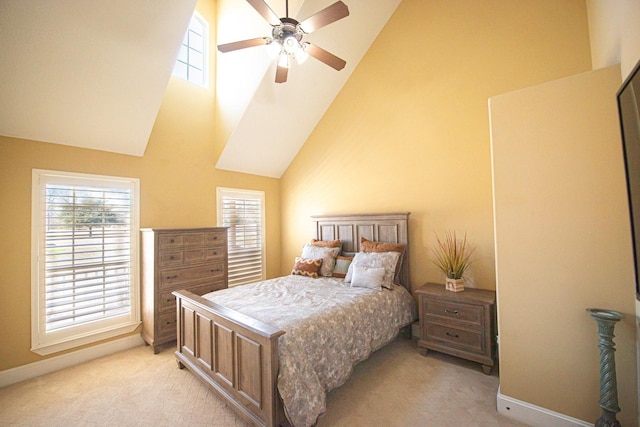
(454, 285)
(606, 320)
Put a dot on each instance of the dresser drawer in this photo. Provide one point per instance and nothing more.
(167, 302)
(453, 312)
(191, 256)
(215, 254)
(169, 241)
(170, 258)
(193, 239)
(456, 338)
(166, 327)
(171, 279)
(216, 238)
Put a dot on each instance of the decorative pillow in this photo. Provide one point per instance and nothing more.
(386, 260)
(328, 256)
(368, 277)
(367, 245)
(342, 266)
(306, 267)
(327, 243)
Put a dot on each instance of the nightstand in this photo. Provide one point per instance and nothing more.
(461, 324)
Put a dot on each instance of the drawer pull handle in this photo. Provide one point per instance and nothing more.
(449, 334)
(172, 257)
(172, 277)
(215, 253)
(169, 322)
(215, 270)
(454, 312)
(215, 237)
(172, 241)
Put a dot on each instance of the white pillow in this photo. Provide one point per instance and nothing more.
(328, 256)
(368, 277)
(386, 260)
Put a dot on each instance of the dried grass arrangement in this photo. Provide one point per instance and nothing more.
(452, 255)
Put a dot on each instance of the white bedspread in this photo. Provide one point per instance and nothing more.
(329, 326)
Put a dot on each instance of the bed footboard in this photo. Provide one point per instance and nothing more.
(235, 355)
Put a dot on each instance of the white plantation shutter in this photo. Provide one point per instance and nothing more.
(243, 212)
(85, 246)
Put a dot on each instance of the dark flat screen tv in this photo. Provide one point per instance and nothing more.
(628, 98)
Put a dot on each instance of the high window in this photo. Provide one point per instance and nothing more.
(243, 212)
(84, 259)
(192, 62)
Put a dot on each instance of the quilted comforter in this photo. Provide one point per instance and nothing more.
(330, 326)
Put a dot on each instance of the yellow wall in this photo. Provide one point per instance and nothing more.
(410, 130)
(563, 243)
(178, 183)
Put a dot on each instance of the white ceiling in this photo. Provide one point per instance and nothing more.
(93, 75)
(85, 73)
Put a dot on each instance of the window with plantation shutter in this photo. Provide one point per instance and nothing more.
(243, 212)
(85, 246)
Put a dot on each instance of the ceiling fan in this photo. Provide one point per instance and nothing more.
(286, 37)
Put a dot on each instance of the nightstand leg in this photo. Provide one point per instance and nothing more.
(423, 351)
(487, 369)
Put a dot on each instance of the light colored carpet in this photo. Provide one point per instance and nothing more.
(395, 387)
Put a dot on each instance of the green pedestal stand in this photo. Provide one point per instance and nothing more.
(607, 320)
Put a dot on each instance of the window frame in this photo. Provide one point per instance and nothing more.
(205, 52)
(222, 192)
(43, 342)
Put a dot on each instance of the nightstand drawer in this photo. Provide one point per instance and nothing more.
(454, 311)
(456, 338)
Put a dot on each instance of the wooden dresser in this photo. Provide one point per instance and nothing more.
(194, 259)
(462, 324)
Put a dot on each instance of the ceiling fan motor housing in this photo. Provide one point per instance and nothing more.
(288, 35)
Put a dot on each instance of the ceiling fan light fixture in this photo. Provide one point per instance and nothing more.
(301, 55)
(291, 44)
(274, 48)
(283, 61)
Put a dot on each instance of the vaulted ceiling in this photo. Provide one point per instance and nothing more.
(94, 77)
(276, 119)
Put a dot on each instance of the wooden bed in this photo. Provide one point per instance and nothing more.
(237, 356)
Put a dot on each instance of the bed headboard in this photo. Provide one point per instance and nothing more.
(387, 227)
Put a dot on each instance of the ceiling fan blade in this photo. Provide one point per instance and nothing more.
(228, 47)
(323, 56)
(282, 70)
(266, 12)
(326, 16)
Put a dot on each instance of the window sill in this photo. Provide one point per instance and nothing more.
(73, 342)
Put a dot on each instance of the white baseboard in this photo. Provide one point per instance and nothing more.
(32, 370)
(535, 416)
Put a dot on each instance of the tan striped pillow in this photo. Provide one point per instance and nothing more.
(327, 243)
(306, 267)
